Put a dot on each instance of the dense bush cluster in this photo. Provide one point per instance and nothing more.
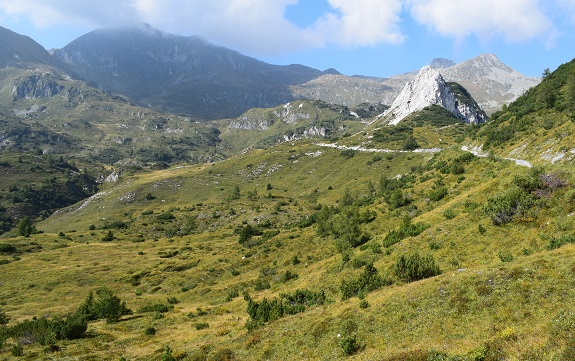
(286, 304)
(522, 195)
(47, 331)
(414, 267)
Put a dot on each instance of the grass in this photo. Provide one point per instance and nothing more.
(467, 308)
(503, 291)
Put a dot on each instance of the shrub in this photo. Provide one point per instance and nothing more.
(288, 276)
(201, 326)
(108, 237)
(437, 194)
(349, 345)
(150, 331)
(505, 256)
(481, 229)
(507, 205)
(157, 307)
(262, 285)
(105, 306)
(363, 304)
(555, 243)
(286, 304)
(167, 355)
(18, 350)
(246, 233)
(7, 248)
(168, 216)
(348, 153)
(4, 318)
(449, 214)
(25, 227)
(369, 280)
(406, 229)
(414, 267)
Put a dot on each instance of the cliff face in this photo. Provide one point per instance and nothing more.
(429, 88)
(36, 86)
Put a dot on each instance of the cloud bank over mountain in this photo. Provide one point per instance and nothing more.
(261, 26)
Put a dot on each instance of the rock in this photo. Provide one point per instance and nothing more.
(429, 88)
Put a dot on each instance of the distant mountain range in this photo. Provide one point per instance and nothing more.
(179, 74)
(488, 80)
(191, 77)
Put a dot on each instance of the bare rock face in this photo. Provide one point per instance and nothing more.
(429, 88)
(36, 86)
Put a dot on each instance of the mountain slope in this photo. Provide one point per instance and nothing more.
(180, 74)
(539, 125)
(21, 51)
(490, 81)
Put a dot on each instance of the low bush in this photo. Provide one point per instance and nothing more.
(7, 248)
(406, 229)
(157, 307)
(286, 304)
(201, 326)
(349, 345)
(414, 267)
(369, 280)
(555, 243)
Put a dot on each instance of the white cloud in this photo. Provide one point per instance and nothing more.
(361, 22)
(515, 20)
(260, 27)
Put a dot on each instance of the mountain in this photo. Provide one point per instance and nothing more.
(429, 88)
(441, 63)
(179, 74)
(347, 90)
(491, 83)
(21, 51)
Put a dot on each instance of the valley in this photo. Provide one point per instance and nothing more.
(298, 228)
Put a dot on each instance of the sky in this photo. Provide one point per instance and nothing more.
(356, 37)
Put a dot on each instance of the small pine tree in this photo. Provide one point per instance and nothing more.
(109, 236)
(105, 306)
(25, 227)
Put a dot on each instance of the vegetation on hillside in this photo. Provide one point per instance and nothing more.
(364, 249)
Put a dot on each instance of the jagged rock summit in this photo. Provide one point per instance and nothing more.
(429, 88)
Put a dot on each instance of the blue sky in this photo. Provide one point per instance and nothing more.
(366, 37)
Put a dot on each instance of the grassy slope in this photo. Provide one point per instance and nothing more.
(502, 293)
(478, 300)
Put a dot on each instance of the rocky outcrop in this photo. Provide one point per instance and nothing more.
(429, 88)
(36, 86)
(266, 120)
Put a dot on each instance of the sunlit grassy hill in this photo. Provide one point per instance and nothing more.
(502, 291)
(390, 243)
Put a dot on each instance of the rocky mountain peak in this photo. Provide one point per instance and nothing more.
(441, 63)
(429, 88)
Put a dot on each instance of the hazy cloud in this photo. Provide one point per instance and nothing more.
(260, 27)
